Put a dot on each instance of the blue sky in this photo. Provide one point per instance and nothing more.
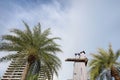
(82, 25)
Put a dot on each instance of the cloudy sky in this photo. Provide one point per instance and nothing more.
(82, 25)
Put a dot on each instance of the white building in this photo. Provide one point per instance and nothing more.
(16, 69)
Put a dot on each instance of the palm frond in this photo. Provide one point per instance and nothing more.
(52, 61)
(28, 31)
(11, 57)
(117, 55)
(46, 32)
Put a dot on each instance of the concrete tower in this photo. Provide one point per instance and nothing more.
(80, 63)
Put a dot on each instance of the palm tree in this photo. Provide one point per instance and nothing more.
(35, 46)
(104, 65)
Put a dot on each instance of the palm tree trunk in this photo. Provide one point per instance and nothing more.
(115, 73)
(24, 75)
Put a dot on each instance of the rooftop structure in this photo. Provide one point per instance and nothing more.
(80, 63)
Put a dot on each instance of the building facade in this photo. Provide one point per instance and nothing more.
(16, 69)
